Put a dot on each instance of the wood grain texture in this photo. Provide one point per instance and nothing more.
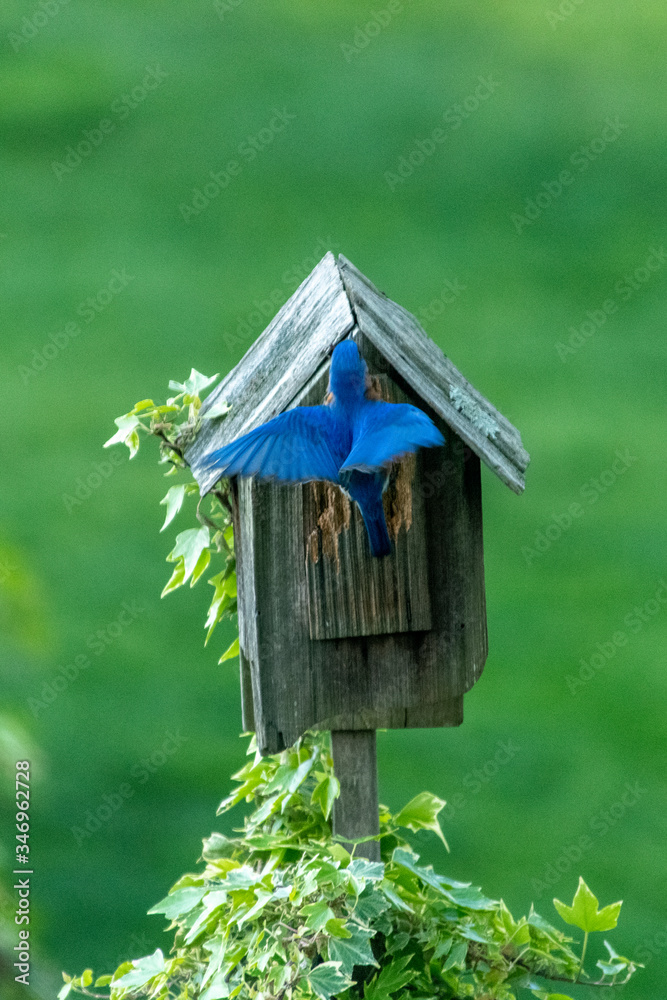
(403, 343)
(356, 812)
(374, 681)
(383, 662)
(349, 592)
(276, 366)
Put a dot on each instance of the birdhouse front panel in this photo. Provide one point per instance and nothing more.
(349, 592)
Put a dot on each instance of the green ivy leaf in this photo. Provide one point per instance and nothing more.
(421, 813)
(225, 592)
(457, 956)
(370, 904)
(218, 409)
(127, 425)
(86, 977)
(373, 871)
(178, 903)
(173, 502)
(189, 546)
(176, 580)
(103, 981)
(201, 566)
(195, 384)
(391, 979)
(327, 980)
(617, 963)
(353, 950)
(230, 652)
(584, 912)
(545, 995)
(337, 928)
(325, 793)
(143, 970)
(317, 915)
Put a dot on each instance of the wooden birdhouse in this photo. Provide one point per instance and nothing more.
(331, 638)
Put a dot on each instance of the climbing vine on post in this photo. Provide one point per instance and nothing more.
(211, 544)
(285, 911)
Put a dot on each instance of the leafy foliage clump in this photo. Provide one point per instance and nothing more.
(174, 424)
(287, 910)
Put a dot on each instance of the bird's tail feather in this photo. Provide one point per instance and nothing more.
(378, 536)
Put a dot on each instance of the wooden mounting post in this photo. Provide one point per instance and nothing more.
(356, 811)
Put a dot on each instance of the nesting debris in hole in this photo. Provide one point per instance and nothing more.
(333, 511)
(397, 497)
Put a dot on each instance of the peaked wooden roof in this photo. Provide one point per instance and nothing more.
(333, 301)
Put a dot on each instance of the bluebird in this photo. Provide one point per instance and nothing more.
(350, 440)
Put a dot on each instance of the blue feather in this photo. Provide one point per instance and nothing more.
(385, 431)
(350, 441)
(296, 447)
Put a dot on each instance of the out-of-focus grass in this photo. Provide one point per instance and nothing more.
(321, 183)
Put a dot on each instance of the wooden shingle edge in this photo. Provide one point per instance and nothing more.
(398, 336)
(296, 345)
(274, 369)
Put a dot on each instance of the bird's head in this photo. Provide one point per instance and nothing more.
(347, 376)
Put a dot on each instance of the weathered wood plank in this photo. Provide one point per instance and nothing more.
(377, 300)
(275, 367)
(355, 812)
(401, 340)
(244, 578)
(349, 592)
(426, 716)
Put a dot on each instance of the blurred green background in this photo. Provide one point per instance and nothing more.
(497, 252)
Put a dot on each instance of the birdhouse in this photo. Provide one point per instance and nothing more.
(330, 637)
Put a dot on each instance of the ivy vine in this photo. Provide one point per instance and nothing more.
(286, 910)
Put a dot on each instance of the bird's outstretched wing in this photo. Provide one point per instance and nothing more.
(296, 447)
(385, 431)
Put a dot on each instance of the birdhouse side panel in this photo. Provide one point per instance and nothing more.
(275, 612)
(452, 480)
(243, 551)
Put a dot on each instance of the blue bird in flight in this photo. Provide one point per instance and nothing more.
(351, 440)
